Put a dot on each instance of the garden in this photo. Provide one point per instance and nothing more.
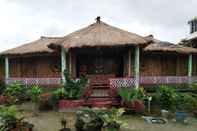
(35, 108)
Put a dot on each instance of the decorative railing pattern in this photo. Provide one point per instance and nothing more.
(34, 81)
(114, 82)
(151, 80)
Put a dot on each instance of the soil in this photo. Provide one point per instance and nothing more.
(51, 121)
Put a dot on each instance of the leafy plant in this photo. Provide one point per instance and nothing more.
(16, 92)
(129, 94)
(166, 97)
(194, 86)
(74, 88)
(125, 94)
(34, 93)
(112, 119)
(9, 117)
(95, 119)
(185, 102)
(88, 120)
(133, 98)
(57, 95)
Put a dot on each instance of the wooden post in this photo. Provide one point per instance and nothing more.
(129, 63)
(63, 63)
(6, 68)
(190, 67)
(137, 66)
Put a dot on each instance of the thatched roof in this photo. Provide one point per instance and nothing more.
(163, 46)
(37, 46)
(99, 34)
(191, 36)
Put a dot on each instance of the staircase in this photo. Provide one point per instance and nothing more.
(100, 96)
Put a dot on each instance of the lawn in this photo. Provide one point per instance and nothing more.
(50, 121)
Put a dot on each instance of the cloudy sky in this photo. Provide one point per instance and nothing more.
(22, 21)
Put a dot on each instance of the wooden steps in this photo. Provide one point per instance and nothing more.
(100, 96)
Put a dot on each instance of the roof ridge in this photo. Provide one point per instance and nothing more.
(51, 37)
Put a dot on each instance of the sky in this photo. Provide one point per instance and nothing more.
(23, 21)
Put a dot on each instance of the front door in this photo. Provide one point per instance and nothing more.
(98, 65)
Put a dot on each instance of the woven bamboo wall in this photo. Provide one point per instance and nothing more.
(38, 66)
(2, 70)
(163, 65)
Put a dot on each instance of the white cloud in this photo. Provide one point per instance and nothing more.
(26, 20)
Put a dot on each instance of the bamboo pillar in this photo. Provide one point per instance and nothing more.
(63, 63)
(6, 68)
(190, 67)
(137, 66)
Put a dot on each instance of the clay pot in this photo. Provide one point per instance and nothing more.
(3, 99)
(138, 106)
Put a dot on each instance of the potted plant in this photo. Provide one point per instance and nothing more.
(11, 120)
(132, 98)
(3, 99)
(34, 93)
(98, 119)
(184, 104)
(166, 97)
(73, 91)
(44, 102)
(16, 93)
(57, 96)
(112, 119)
(88, 120)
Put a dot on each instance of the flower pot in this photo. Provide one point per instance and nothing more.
(44, 103)
(25, 127)
(180, 116)
(3, 99)
(138, 106)
(101, 104)
(195, 113)
(21, 129)
(69, 104)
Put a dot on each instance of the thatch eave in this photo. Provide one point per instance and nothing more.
(163, 46)
(39, 46)
(99, 34)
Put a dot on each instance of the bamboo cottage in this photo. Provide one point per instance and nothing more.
(110, 57)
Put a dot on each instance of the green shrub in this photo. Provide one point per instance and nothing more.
(125, 94)
(166, 97)
(88, 120)
(74, 88)
(16, 92)
(185, 102)
(34, 93)
(130, 94)
(57, 95)
(9, 117)
(194, 86)
(112, 118)
(95, 119)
